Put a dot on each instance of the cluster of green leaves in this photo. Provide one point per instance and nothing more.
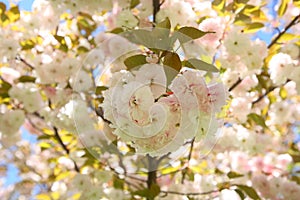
(8, 16)
(161, 40)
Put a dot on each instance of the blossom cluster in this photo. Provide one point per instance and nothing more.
(156, 121)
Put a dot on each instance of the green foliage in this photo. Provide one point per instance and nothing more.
(4, 88)
(99, 89)
(283, 7)
(134, 3)
(135, 61)
(24, 79)
(233, 175)
(257, 119)
(253, 27)
(8, 16)
(240, 193)
(172, 60)
(186, 34)
(85, 24)
(166, 24)
(249, 191)
(148, 193)
(200, 65)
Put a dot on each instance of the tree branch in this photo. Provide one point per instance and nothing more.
(188, 160)
(283, 31)
(18, 57)
(64, 147)
(190, 194)
(156, 7)
(152, 172)
(271, 89)
(235, 84)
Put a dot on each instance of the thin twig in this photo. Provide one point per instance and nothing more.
(235, 84)
(190, 194)
(264, 95)
(283, 31)
(18, 57)
(64, 147)
(188, 160)
(156, 8)
(271, 89)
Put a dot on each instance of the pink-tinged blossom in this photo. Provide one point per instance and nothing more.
(214, 25)
(240, 108)
(158, 126)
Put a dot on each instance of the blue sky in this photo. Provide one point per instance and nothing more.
(23, 4)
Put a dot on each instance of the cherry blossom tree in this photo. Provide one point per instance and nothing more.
(141, 99)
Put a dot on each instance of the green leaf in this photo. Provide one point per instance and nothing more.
(164, 24)
(283, 7)
(155, 40)
(140, 36)
(13, 13)
(117, 30)
(42, 197)
(4, 88)
(172, 60)
(287, 37)
(249, 191)
(240, 193)
(82, 49)
(28, 44)
(99, 89)
(242, 19)
(219, 5)
(135, 61)
(118, 183)
(241, 1)
(24, 79)
(186, 34)
(134, 3)
(201, 65)
(59, 38)
(232, 174)
(45, 145)
(170, 75)
(2, 7)
(259, 120)
(283, 93)
(148, 193)
(251, 28)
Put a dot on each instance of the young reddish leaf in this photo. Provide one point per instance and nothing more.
(172, 60)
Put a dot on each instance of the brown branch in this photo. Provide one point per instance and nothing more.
(271, 89)
(156, 7)
(293, 22)
(235, 84)
(188, 160)
(152, 172)
(189, 194)
(18, 57)
(64, 147)
(264, 95)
